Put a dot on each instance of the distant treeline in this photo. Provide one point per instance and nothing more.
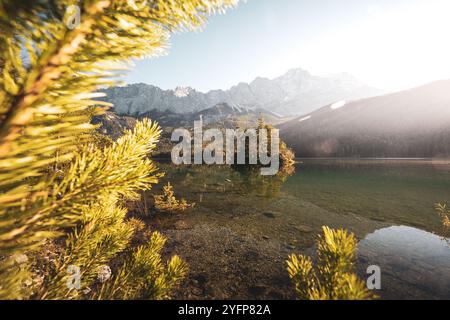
(369, 145)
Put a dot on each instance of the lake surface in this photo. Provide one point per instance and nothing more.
(388, 204)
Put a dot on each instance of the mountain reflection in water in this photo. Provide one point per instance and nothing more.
(414, 263)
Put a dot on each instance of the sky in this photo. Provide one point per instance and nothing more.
(388, 44)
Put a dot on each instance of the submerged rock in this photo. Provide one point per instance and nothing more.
(269, 215)
(104, 273)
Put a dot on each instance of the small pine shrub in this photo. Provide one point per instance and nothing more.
(444, 213)
(167, 202)
(332, 277)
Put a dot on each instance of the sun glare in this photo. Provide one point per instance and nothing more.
(408, 42)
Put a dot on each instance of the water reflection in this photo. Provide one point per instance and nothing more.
(266, 186)
(415, 264)
(287, 211)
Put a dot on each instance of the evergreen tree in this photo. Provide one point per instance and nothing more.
(287, 155)
(55, 179)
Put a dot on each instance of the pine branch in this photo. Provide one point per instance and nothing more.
(48, 79)
(20, 112)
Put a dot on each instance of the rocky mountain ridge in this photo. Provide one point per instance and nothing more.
(294, 93)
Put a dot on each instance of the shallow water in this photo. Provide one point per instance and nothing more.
(388, 204)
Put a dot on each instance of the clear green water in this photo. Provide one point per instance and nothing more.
(388, 204)
(403, 192)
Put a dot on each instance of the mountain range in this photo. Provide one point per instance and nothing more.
(411, 123)
(294, 93)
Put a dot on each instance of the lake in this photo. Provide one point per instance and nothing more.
(244, 226)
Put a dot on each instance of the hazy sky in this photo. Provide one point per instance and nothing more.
(390, 44)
